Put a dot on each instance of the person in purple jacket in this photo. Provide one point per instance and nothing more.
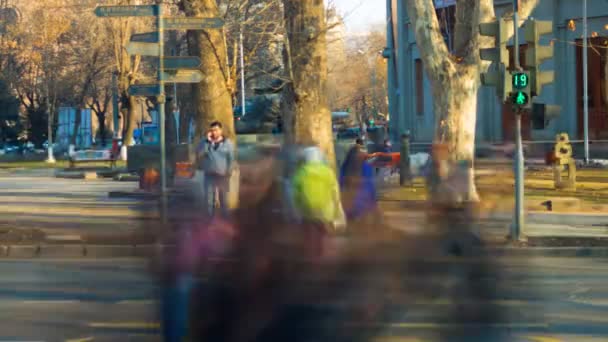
(357, 183)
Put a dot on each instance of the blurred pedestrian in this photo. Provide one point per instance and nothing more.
(387, 146)
(316, 195)
(357, 183)
(216, 161)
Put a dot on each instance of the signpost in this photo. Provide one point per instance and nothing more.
(143, 49)
(192, 23)
(183, 76)
(152, 44)
(517, 229)
(150, 37)
(127, 11)
(182, 63)
(145, 90)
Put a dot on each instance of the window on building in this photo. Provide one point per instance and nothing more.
(597, 58)
(419, 87)
(447, 20)
(604, 75)
(522, 56)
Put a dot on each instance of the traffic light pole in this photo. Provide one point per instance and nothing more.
(518, 225)
(585, 84)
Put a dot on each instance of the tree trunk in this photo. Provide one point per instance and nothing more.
(455, 81)
(306, 112)
(131, 121)
(101, 118)
(606, 79)
(170, 126)
(213, 98)
(455, 107)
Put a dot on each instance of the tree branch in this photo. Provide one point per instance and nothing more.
(434, 52)
(487, 14)
(466, 28)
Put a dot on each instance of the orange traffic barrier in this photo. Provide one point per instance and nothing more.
(382, 159)
(184, 170)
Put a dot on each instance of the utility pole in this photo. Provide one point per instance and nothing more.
(585, 84)
(176, 112)
(518, 226)
(161, 100)
(242, 77)
(51, 157)
(115, 104)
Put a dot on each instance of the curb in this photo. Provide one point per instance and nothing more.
(565, 252)
(147, 251)
(78, 251)
(77, 175)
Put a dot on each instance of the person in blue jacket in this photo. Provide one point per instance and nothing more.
(357, 183)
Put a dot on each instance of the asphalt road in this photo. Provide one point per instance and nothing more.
(545, 300)
(35, 199)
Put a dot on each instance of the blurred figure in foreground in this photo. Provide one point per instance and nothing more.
(387, 146)
(357, 183)
(263, 281)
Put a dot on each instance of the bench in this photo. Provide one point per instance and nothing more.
(92, 156)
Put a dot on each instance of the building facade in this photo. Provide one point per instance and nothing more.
(411, 100)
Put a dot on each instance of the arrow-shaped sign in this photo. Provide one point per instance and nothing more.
(183, 76)
(127, 11)
(182, 63)
(191, 23)
(144, 90)
(143, 49)
(150, 37)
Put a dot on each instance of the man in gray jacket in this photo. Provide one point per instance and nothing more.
(216, 158)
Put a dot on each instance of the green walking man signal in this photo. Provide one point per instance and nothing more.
(521, 84)
(520, 98)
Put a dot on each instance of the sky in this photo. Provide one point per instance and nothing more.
(361, 15)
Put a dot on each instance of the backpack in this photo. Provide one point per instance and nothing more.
(316, 194)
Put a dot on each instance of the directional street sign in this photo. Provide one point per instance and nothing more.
(127, 11)
(182, 63)
(150, 37)
(144, 90)
(183, 76)
(143, 49)
(192, 23)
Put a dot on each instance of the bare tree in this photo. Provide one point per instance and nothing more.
(92, 58)
(213, 94)
(32, 63)
(455, 76)
(99, 102)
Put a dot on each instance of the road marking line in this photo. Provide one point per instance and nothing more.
(137, 302)
(34, 302)
(542, 339)
(577, 318)
(463, 302)
(425, 325)
(85, 339)
(125, 325)
(398, 339)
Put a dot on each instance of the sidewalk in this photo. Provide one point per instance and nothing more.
(577, 217)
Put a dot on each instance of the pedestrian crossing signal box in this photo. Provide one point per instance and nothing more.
(520, 98)
(520, 80)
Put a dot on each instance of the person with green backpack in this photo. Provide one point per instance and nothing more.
(315, 195)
